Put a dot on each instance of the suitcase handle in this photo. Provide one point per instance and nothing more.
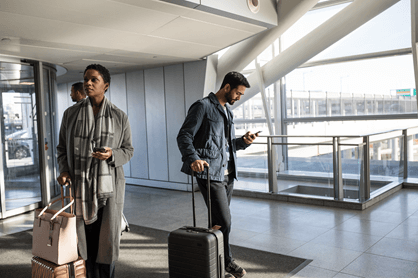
(62, 200)
(209, 202)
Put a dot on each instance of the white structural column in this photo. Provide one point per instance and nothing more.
(266, 105)
(334, 29)
(241, 54)
(414, 28)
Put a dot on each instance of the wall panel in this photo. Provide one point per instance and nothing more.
(136, 113)
(174, 94)
(118, 89)
(194, 81)
(156, 124)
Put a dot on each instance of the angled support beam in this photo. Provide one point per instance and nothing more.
(336, 28)
(414, 29)
(241, 54)
(266, 105)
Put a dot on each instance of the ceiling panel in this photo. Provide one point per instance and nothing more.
(55, 56)
(181, 49)
(121, 34)
(67, 33)
(114, 16)
(201, 32)
(223, 21)
(143, 59)
(157, 6)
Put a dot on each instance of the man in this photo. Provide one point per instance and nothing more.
(207, 138)
(77, 92)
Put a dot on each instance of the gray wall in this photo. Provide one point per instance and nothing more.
(156, 102)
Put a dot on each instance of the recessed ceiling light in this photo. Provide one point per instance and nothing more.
(254, 5)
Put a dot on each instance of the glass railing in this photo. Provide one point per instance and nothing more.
(343, 167)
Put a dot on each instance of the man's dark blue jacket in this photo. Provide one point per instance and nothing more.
(202, 137)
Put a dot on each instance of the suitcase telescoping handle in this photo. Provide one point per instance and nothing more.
(209, 202)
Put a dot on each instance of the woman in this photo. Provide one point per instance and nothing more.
(97, 176)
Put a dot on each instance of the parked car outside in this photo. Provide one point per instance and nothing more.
(19, 144)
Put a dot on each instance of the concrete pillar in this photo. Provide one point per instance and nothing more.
(336, 28)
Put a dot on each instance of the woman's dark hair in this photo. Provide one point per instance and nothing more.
(235, 79)
(102, 70)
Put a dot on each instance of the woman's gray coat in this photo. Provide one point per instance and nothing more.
(122, 152)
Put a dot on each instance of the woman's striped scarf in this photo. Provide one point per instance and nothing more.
(93, 179)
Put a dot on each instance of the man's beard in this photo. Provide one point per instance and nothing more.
(229, 99)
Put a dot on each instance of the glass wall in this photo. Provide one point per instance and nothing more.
(19, 136)
(365, 87)
(373, 76)
(20, 179)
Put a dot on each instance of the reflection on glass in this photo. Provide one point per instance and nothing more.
(385, 161)
(309, 168)
(252, 166)
(351, 162)
(19, 136)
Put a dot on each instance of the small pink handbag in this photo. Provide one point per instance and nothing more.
(54, 233)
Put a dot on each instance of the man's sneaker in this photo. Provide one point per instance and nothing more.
(229, 275)
(235, 269)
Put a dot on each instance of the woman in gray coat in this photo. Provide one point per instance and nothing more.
(94, 143)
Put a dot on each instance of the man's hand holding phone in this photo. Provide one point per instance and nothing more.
(250, 137)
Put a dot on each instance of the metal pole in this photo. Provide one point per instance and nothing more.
(271, 167)
(2, 179)
(337, 169)
(41, 125)
(364, 193)
(283, 98)
(405, 153)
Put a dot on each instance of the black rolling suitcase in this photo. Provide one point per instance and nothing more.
(196, 252)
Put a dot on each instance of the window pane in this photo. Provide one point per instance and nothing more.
(373, 86)
(307, 23)
(389, 30)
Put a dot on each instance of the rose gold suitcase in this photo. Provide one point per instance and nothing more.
(44, 269)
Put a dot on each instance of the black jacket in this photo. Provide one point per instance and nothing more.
(202, 137)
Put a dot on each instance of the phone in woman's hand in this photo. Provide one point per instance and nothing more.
(101, 150)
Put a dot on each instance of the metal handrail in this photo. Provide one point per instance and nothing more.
(364, 190)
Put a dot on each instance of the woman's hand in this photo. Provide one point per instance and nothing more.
(64, 178)
(103, 156)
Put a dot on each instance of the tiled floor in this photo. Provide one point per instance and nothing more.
(381, 241)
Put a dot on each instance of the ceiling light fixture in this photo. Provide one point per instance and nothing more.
(254, 5)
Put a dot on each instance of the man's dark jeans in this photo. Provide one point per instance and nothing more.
(221, 194)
